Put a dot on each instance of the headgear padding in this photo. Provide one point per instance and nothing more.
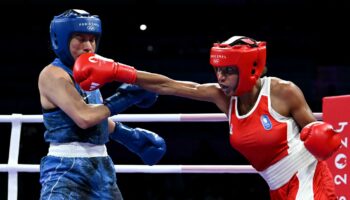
(63, 26)
(248, 55)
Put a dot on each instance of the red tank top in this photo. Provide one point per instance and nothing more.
(262, 135)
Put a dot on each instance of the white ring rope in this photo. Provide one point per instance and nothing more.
(203, 117)
(150, 169)
(17, 119)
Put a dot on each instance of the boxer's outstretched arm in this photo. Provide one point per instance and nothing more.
(92, 71)
(164, 85)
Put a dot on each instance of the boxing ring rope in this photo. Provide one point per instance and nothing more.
(13, 167)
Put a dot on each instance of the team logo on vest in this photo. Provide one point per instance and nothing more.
(265, 121)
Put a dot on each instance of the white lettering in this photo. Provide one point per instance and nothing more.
(218, 56)
(94, 86)
(340, 161)
(342, 126)
(92, 59)
(344, 142)
(88, 24)
(339, 179)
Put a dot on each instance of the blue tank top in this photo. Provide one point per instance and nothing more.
(60, 128)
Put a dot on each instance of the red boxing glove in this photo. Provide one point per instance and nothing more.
(92, 71)
(320, 139)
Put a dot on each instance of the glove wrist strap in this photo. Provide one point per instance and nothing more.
(125, 73)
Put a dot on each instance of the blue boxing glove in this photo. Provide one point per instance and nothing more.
(146, 144)
(128, 95)
(149, 98)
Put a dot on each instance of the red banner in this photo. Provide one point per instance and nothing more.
(336, 111)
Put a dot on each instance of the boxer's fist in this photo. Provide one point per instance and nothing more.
(320, 139)
(128, 95)
(92, 71)
(145, 98)
(149, 146)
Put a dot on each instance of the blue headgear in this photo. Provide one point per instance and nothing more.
(63, 26)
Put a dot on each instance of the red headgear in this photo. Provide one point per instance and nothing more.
(247, 54)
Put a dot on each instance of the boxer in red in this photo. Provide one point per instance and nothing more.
(270, 121)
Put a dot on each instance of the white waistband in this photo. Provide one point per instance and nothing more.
(77, 149)
(281, 172)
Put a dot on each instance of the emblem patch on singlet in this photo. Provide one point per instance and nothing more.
(265, 121)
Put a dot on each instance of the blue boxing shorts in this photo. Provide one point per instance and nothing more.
(78, 177)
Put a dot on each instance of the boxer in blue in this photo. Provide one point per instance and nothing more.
(77, 165)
